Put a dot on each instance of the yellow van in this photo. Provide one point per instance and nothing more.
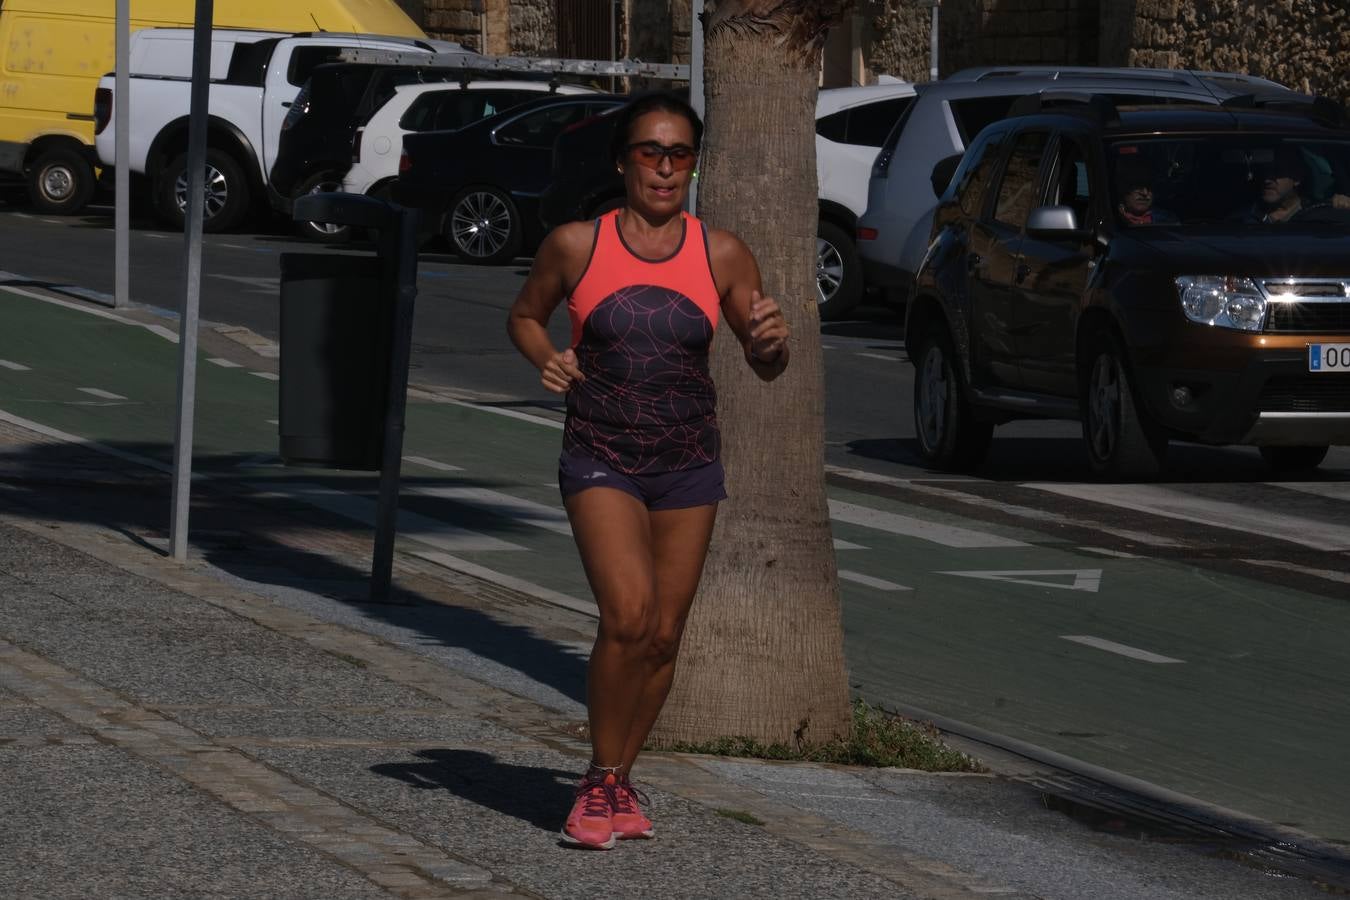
(53, 52)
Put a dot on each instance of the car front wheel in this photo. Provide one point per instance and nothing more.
(483, 227)
(949, 435)
(1122, 443)
(1294, 459)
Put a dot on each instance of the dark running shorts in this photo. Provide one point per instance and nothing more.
(659, 490)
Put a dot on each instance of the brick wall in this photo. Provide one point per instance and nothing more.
(1302, 43)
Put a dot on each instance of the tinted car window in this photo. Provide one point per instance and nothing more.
(304, 60)
(869, 125)
(450, 109)
(539, 128)
(1071, 184)
(833, 127)
(973, 113)
(1017, 191)
(973, 180)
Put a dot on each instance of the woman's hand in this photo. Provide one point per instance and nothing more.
(768, 329)
(560, 371)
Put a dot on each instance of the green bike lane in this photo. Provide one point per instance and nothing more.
(1206, 684)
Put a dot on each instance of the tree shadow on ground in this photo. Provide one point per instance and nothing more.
(534, 795)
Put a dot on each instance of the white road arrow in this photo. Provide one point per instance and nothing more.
(1089, 580)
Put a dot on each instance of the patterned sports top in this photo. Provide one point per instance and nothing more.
(641, 330)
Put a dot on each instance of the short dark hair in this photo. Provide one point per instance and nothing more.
(657, 101)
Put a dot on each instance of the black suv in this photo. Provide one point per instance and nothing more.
(1156, 272)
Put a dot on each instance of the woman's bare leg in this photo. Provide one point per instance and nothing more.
(679, 545)
(614, 536)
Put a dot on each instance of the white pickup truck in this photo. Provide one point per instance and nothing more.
(255, 75)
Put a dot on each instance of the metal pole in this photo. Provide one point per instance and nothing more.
(696, 99)
(613, 42)
(192, 279)
(933, 44)
(121, 168)
(399, 249)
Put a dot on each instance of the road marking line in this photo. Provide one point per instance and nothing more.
(272, 421)
(879, 356)
(845, 545)
(260, 461)
(880, 584)
(429, 531)
(270, 376)
(1089, 580)
(171, 336)
(433, 464)
(233, 246)
(509, 413)
(1174, 504)
(92, 445)
(1328, 574)
(100, 393)
(525, 511)
(224, 363)
(908, 526)
(1121, 649)
(13, 366)
(1117, 554)
(151, 234)
(539, 592)
(1333, 490)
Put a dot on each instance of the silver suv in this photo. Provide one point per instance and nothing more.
(893, 233)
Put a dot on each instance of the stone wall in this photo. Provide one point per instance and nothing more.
(453, 20)
(1304, 44)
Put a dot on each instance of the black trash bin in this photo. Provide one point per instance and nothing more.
(336, 341)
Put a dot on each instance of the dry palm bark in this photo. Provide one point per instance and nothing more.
(763, 650)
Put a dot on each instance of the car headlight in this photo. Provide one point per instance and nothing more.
(1222, 300)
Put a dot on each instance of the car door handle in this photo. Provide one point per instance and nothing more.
(1020, 275)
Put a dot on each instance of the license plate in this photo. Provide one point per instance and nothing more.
(1329, 357)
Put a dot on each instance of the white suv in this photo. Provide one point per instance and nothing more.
(442, 106)
(851, 125)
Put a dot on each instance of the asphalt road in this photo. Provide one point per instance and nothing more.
(1188, 632)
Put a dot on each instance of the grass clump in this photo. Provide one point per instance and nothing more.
(739, 816)
(879, 739)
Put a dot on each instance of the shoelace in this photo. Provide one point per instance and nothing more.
(600, 798)
(627, 797)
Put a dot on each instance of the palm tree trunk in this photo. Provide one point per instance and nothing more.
(763, 651)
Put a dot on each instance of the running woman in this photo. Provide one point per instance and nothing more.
(640, 472)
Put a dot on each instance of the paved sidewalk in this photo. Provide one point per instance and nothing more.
(245, 725)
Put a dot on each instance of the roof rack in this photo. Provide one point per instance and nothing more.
(1099, 106)
(1320, 109)
(667, 71)
(1185, 76)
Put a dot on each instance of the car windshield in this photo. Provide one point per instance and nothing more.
(1231, 179)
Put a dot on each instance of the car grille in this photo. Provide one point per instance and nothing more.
(1307, 305)
(1306, 393)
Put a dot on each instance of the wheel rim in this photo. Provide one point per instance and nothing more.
(1104, 406)
(481, 224)
(326, 187)
(934, 393)
(217, 192)
(829, 270)
(57, 183)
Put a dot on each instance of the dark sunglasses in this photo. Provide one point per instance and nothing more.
(649, 155)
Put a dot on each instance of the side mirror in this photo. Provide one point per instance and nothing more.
(943, 172)
(1054, 223)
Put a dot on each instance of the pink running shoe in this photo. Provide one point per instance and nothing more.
(591, 822)
(629, 822)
